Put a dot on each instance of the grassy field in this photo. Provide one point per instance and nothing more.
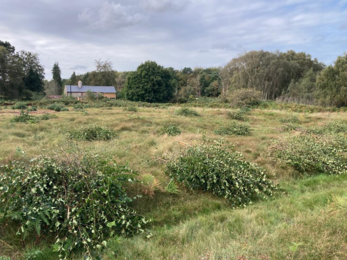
(306, 219)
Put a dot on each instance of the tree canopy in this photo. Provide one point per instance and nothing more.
(150, 83)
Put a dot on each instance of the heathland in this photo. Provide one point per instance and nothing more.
(301, 150)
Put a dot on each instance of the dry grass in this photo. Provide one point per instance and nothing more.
(198, 226)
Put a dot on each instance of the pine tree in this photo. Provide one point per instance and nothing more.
(56, 77)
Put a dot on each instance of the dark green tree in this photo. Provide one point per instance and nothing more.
(150, 83)
(57, 77)
(73, 79)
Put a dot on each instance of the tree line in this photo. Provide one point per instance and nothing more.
(283, 76)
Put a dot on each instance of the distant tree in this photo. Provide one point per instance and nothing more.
(11, 74)
(33, 71)
(57, 77)
(150, 83)
(73, 79)
(332, 84)
(103, 75)
(11, 49)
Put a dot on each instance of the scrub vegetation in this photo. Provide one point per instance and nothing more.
(102, 182)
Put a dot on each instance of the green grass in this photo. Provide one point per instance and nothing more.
(297, 224)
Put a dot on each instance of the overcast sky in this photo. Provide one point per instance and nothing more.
(174, 33)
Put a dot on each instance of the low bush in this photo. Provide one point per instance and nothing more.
(20, 105)
(309, 155)
(80, 200)
(234, 128)
(171, 130)
(239, 115)
(187, 112)
(290, 119)
(331, 128)
(245, 97)
(25, 117)
(130, 109)
(93, 133)
(57, 107)
(48, 116)
(222, 171)
(32, 108)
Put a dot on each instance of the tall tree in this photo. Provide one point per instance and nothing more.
(150, 83)
(33, 71)
(57, 77)
(104, 75)
(11, 74)
(73, 79)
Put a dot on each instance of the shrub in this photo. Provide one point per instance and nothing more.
(331, 128)
(234, 129)
(239, 115)
(24, 117)
(20, 105)
(130, 108)
(309, 155)
(291, 119)
(80, 200)
(57, 107)
(212, 167)
(48, 116)
(187, 112)
(171, 130)
(245, 97)
(93, 133)
(32, 108)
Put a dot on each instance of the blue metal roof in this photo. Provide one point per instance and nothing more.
(83, 89)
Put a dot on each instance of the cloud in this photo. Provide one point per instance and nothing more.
(79, 67)
(110, 16)
(165, 5)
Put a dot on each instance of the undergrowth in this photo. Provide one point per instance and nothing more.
(81, 200)
(224, 172)
(92, 133)
(234, 128)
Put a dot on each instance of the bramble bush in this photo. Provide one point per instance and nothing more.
(224, 172)
(20, 105)
(93, 133)
(233, 128)
(171, 130)
(57, 107)
(309, 155)
(238, 115)
(187, 112)
(24, 117)
(79, 199)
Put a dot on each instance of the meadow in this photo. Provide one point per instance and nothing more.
(305, 154)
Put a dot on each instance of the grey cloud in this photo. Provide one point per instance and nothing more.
(78, 67)
(110, 16)
(165, 5)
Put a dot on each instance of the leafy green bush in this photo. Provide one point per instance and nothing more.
(80, 200)
(239, 115)
(24, 117)
(187, 112)
(57, 107)
(171, 130)
(130, 109)
(234, 128)
(32, 108)
(20, 105)
(48, 116)
(93, 133)
(331, 128)
(245, 97)
(212, 167)
(309, 155)
(290, 119)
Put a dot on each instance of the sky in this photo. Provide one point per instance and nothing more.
(174, 33)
